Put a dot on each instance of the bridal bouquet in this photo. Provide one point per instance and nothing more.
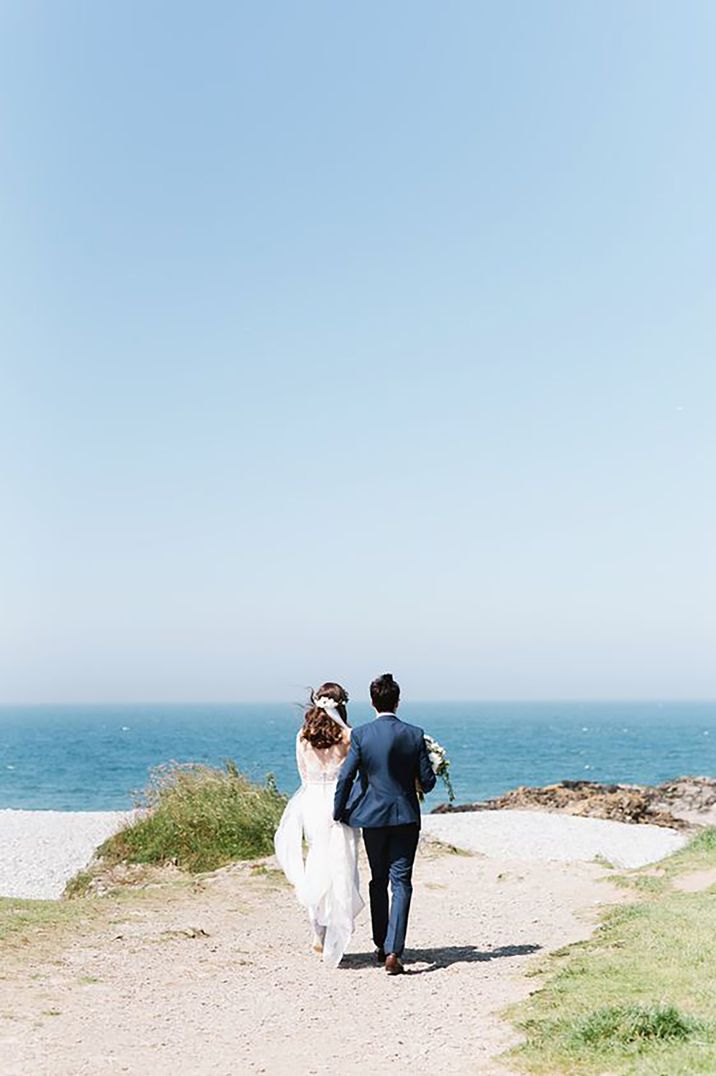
(440, 764)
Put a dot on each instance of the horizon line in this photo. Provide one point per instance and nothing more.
(404, 703)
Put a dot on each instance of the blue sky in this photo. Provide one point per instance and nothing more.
(339, 338)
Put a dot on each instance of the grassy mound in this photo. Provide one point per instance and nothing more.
(199, 818)
(639, 997)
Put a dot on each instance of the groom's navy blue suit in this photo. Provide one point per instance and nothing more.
(388, 756)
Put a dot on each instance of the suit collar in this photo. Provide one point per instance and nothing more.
(385, 715)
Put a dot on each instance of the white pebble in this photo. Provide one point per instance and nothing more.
(541, 835)
(41, 850)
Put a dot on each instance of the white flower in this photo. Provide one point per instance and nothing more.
(329, 707)
(440, 763)
(325, 702)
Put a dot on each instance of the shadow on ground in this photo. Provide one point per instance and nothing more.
(441, 957)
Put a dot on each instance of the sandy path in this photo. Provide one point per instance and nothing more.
(127, 993)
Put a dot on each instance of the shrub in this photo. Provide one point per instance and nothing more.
(199, 818)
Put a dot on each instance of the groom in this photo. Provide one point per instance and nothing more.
(388, 756)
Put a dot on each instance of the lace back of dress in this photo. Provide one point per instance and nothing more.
(319, 765)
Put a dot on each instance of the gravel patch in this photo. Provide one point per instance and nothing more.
(538, 835)
(41, 850)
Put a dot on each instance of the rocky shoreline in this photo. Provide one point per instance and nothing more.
(682, 804)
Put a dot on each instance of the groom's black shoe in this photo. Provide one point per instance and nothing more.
(393, 965)
(379, 955)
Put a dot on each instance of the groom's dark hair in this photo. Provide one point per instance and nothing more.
(385, 694)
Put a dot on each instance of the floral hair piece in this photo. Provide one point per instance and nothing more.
(330, 707)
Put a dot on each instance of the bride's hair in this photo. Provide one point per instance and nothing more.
(318, 727)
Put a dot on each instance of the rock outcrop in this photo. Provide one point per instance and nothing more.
(678, 804)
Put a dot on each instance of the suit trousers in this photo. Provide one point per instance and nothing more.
(391, 854)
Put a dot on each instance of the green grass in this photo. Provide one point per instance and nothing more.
(602, 861)
(639, 997)
(78, 886)
(21, 918)
(198, 818)
(629, 1026)
(699, 854)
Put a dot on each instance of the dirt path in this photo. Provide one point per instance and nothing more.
(217, 977)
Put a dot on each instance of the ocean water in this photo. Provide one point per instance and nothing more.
(97, 757)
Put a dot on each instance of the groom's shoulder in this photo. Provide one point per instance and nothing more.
(414, 729)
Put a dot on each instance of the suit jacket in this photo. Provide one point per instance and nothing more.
(388, 756)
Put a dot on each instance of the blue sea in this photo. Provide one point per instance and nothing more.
(98, 757)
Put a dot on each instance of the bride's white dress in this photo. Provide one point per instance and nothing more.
(327, 881)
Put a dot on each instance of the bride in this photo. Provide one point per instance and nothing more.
(327, 882)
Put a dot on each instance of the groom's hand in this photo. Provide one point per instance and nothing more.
(426, 774)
